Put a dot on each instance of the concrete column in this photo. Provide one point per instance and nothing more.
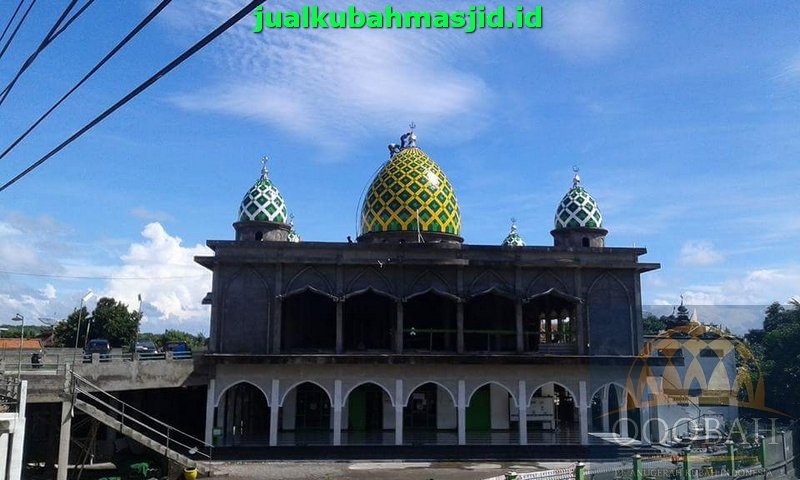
(583, 409)
(645, 419)
(522, 408)
(623, 415)
(211, 396)
(460, 327)
(462, 413)
(604, 394)
(520, 332)
(64, 439)
(3, 454)
(398, 412)
(337, 412)
(339, 326)
(274, 409)
(398, 338)
(18, 437)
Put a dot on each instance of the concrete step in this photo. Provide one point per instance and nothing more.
(141, 438)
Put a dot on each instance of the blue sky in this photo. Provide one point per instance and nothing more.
(682, 116)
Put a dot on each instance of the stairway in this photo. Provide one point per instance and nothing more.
(175, 445)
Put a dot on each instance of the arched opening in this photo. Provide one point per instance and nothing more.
(490, 324)
(585, 241)
(549, 324)
(369, 322)
(489, 416)
(306, 416)
(430, 417)
(606, 406)
(259, 236)
(243, 416)
(553, 415)
(429, 323)
(309, 323)
(368, 416)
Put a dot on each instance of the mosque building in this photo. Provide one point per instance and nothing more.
(407, 335)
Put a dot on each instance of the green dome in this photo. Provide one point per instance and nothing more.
(408, 189)
(578, 209)
(513, 239)
(293, 236)
(263, 203)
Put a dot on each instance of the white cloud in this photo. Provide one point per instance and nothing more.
(163, 271)
(151, 215)
(585, 29)
(699, 254)
(332, 85)
(49, 291)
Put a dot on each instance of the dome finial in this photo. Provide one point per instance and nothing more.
(513, 224)
(576, 180)
(513, 239)
(264, 170)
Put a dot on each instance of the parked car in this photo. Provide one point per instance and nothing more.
(178, 349)
(145, 346)
(99, 346)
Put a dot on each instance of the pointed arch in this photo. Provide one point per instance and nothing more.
(370, 278)
(309, 278)
(554, 382)
(611, 277)
(372, 290)
(407, 396)
(487, 281)
(490, 382)
(435, 291)
(545, 280)
(610, 318)
(309, 288)
(350, 390)
(239, 382)
(429, 281)
(245, 313)
(301, 382)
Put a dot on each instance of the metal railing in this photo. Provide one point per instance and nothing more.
(9, 394)
(60, 360)
(129, 416)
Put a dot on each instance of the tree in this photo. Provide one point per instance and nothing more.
(113, 321)
(64, 331)
(652, 324)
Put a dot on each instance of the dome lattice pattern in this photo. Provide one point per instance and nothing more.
(293, 236)
(263, 203)
(408, 186)
(578, 209)
(513, 239)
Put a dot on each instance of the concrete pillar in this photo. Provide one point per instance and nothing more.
(398, 338)
(462, 413)
(211, 396)
(274, 409)
(337, 412)
(3, 454)
(520, 332)
(645, 419)
(604, 394)
(398, 412)
(18, 437)
(64, 439)
(583, 408)
(339, 326)
(460, 326)
(522, 408)
(623, 415)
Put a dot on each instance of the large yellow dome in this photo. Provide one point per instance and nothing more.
(410, 194)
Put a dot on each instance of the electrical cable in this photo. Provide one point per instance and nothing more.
(142, 87)
(44, 43)
(11, 20)
(91, 72)
(16, 29)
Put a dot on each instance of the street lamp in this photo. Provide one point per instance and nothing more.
(84, 299)
(20, 318)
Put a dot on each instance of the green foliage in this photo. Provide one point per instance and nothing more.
(12, 331)
(110, 320)
(652, 324)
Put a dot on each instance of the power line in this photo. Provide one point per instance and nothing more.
(11, 20)
(44, 43)
(91, 72)
(72, 19)
(87, 277)
(142, 87)
(16, 29)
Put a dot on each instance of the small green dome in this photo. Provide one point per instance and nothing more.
(410, 193)
(263, 203)
(578, 209)
(513, 239)
(293, 237)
